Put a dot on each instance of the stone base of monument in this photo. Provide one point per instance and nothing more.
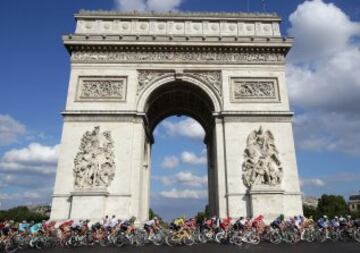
(266, 200)
(88, 203)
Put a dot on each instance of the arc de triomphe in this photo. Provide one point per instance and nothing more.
(130, 70)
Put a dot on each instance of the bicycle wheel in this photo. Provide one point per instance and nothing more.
(170, 241)
(275, 237)
(220, 237)
(357, 235)
(157, 239)
(188, 240)
(11, 247)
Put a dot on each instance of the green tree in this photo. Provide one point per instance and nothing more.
(152, 214)
(21, 213)
(332, 205)
(310, 211)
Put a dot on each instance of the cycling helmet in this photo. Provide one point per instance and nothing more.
(281, 217)
(325, 217)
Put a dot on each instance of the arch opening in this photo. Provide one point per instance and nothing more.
(181, 98)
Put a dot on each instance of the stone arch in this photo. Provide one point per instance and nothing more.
(170, 78)
(188, 96)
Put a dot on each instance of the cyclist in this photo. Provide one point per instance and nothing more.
(113, 222)
(279, 222)
(34, 229)
(259, 224)
(23, 227)
(152, 225)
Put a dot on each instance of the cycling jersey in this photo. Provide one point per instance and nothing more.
(150, 223)
(179, 222)
(24, 227)
(35, 228)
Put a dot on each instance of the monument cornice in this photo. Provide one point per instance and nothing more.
(176, 40)
(177, 54)
(177, 15)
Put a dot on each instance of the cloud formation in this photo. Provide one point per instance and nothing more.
(147, 5)
(170, 162)
(185, 178)
(188, 157)
(323, 77)
(186, 128)
(312, 182)
(10, 130)
(35, 158)
(184, 194)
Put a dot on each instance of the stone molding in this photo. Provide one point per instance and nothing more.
(101, 88)
(191, 14)
(254, 116)
(254, 90)
(183, 57)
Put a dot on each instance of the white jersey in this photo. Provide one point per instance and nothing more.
(113, 222)
(150, 222)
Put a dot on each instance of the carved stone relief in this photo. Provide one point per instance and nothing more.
(261, 164)
(102, 88)
(178, 57)
(255, 90)
(148, 76)
(94, 163)
(212, 78)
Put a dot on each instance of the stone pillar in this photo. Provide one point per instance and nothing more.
(221, 181)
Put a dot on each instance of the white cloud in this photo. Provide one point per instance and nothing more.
(35, 158)
(190, 158)
(186, 128)
(185, 178)
(320, 30)
(170, 162)
(184, 194)
(10, 129)
(38, 196)
(165, 180)
(323, 77)
(312, 182)
(189, 179)
(147, 5)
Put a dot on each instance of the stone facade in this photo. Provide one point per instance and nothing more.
(131, 70)
(354, 203)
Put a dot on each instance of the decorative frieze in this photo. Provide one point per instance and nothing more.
(254, 90)
(94, 163)
(101, 88)
(178, 57)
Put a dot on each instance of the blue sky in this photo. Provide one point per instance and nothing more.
(322, 76)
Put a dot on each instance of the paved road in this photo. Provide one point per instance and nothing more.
(327, 247)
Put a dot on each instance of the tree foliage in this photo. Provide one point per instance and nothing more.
(21, 213)
(332, 205)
